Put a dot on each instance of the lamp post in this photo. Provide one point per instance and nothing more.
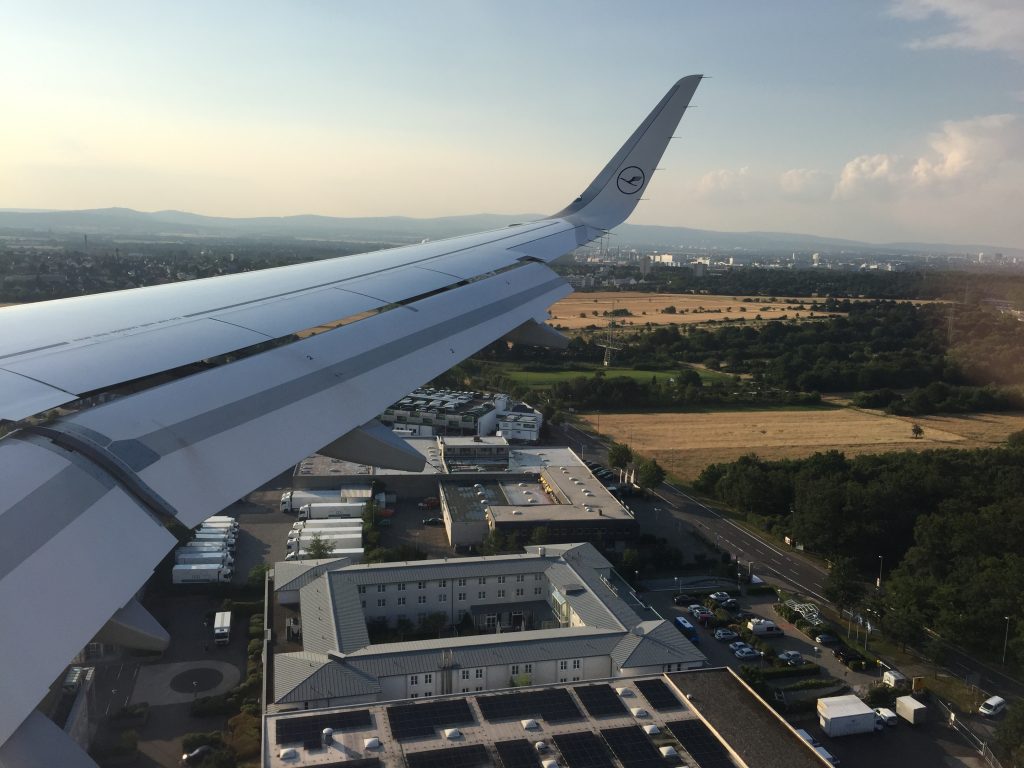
(878, 584)
(677, 584)
(1006, 638)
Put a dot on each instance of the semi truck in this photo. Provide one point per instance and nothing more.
(222, 628)
(222, 519)
(355, 554)
(203, 557)
(356, 526)
(334, 522)
(291, 501)
(207, 546)
(335, 542)
(337, 509)
(222, 536)
(200, 574)
(218, 525)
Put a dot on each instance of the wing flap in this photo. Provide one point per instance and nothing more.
(23, 397)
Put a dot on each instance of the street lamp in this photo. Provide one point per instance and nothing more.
(1006, 638)
(878, 584)
(677, 583)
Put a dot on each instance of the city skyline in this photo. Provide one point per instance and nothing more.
(882, 122)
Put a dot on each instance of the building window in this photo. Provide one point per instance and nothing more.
(501, 579)
(428, 678)
(536, 577)
(482, 580)
(515, 669)
(382, 602)
(575, 679)
(536, 590)
(362, 590)
(465, 674)
(563, 665)
(414, 680)
(442, 583)
(422, 599)
(478, 688)
(382, 587)
(401, 586)
(528, 669)
(462, 596)
(461, 582)
(479, 674)
(519, 592)
(401, 601)
(414, 696)
(520, 577)
(501, 593)
(481, 595)
(442, 598)
(465, 690)
(575, 663)
(421, 585)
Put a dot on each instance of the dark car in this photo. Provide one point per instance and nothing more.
(685, 600)
(730, 605)
(847, 655)
(433, 521)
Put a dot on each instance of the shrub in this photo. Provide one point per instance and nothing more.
(255, 647)
(192, 741)
(244, 735)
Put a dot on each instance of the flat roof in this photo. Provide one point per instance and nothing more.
(758, 737)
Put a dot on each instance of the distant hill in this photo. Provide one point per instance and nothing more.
(121, 222)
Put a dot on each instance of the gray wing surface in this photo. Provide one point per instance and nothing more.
(179, 399)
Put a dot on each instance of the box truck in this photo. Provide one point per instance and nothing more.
(911, 710)
(337, 509)
(222, 628)
(764, 628)
(202, 557)
(292, 500)
(354, 554)
(845, 715)
(200, 574)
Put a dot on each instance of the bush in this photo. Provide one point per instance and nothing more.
(810, 683)
(880, 696)
(242, 607)
(192, 741)
(255, 647)
(244, 735)
(209, 706)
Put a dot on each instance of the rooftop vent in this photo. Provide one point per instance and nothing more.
(652, 730)
(328, 735)
(529, 725)
(452, 734)
(624, 692)
(371, 743)
(639, 712)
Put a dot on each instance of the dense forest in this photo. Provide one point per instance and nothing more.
(949, 524)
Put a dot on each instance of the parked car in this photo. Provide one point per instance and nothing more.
(746, 653)
(730, 605)
(737, 645)
(686, 600)
(433, 521)
(826, 639)
(719, 596)
(792, 658)
(847, 655)
(992, 706)
(725, 634)
(695, 609)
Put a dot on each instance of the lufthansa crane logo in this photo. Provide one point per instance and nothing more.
(630, 180)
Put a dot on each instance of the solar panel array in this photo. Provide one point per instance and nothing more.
(413, 721)
(701, 744)
(366, 762)
(583, 750)
(658, 695)
(473, 756)
(631, 745)
(517, 753)
(554, 706)
(308, 729)
(600, 700)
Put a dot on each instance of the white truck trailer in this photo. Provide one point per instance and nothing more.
(354, 526)
(291, 501)
(845, 716)
(334, 522)
(207, 546)
(335, 541)
(333, 510)
(222, 536)
(222, 519)
(355, 554)
(222, 628)
(200, 574)
(186, 556)
(218, 525)
(911, 710)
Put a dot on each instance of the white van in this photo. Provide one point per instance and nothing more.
(992, 706)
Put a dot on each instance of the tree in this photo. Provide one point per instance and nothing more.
(649, 474)
(434, 623)
(257, 576)
(619, 455)
(916, 431)
(539, 535)
(318, 549)
(843, 585)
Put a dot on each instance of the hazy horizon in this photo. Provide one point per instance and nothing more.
(878, 122)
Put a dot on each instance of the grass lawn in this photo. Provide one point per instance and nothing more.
(545, 379)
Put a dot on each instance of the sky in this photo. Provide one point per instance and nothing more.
(876, 120)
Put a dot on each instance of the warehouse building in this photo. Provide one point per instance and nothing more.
(553, 614)
(430, 412)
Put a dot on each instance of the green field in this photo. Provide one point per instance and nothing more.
(545, 379)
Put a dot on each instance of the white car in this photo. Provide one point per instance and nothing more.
(695, 609)
(725, 634)
(737, 645)
(746, 653)
(718, 597)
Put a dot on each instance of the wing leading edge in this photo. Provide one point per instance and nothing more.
(303, 356)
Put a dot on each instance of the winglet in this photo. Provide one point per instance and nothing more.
(612, 196)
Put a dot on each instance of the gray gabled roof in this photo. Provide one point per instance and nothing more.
(307, 676)
(455, 568)
(653, 643)
(290, 574)
(332, 616)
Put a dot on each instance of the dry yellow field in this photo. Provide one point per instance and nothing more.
(685, 443)
(690, 309)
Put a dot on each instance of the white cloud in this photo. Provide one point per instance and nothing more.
(725, 184)
(985, 25)
(868, 174)
(805, 184)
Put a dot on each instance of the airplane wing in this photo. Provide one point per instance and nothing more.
(176, 400)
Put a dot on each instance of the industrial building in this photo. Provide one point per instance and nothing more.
(707, 718)
(552, 614)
